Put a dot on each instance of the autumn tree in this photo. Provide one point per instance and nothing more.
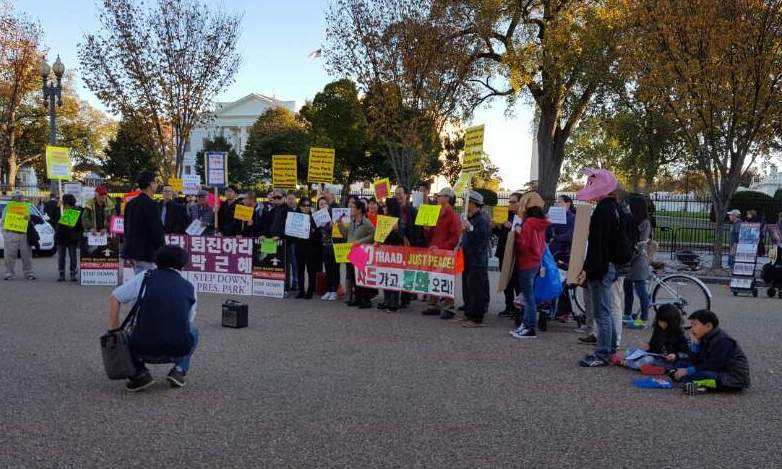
(276, 132)
(715, 68)
(161, 65)
(557, 51)
(131, 151)
(409, 61)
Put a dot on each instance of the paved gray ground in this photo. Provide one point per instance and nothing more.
(311, 384)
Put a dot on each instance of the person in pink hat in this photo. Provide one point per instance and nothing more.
(600, 270)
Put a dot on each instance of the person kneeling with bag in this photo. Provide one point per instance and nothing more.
(162, 330)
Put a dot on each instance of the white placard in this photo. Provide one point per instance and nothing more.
(215, 169)
(191, 184)
(100, 239)
(87, 193)
(196, 228)
(745, 283)
(268, 288)
(73, 188)
(418, 199)
(557, 215)
(99, 277)
(740, 268)
(337, 213)
(297, 225)
(322, 217)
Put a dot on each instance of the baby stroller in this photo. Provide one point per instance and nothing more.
(772, 275)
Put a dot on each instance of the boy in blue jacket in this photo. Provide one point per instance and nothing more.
(716, 360)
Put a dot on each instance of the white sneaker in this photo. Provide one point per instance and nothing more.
(333, 296)
(326, 297)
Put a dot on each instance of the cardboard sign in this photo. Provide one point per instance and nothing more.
(321, 165)
(341, 251)
(242, 212)
(473, 149)
(284, 174)
(385, 225)
(176, 184)
(191, 184)
(216, 164)
(557, 215)
(499, 215)
(322, 217)
(427, 215)
(58, 163)
(578, 246)
(16, 217)
(382, 188)
(69, 217)
(297, 225)
(117, 225)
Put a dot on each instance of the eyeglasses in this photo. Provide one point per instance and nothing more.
(277, 197)
(306, 206)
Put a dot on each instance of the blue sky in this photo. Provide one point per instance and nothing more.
(276, 38)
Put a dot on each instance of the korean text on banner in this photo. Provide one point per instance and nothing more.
(242, 212)
(408, 269)
(384, 227)
(382, 188)
(499, 215)
(284, 172)
(69, 217)
(321, 165)
(176, 184)
(427, 215)
(16, 217)
(473, 149)
(341, 251)
(58, 163)
(216, 169)
(297, 225)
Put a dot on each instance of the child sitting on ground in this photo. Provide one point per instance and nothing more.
(716, 360)
(668, 343)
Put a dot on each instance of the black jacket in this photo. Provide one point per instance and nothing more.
(502, 236)
(52, 209)
(603, 236)
(143, 229)
(254, 230)
(227, 224)
(720, 353)
(664, 343)
(32, 234)
(176, 217)
(67, 235)
(408, 230)
(476, 241)
(312, 246)
(273, 221)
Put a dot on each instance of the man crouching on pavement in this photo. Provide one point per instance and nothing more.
(164, 330)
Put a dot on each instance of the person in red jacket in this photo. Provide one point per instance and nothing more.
(530, 246)
(444, 236)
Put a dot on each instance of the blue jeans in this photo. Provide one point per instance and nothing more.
(181, 363)
(602, 302)
(643, 296)
(527, 288)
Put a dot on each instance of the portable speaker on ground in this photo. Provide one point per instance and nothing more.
(234, 314)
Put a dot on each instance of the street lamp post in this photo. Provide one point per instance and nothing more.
(52, 96)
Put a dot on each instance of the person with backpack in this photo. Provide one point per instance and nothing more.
(611, 242)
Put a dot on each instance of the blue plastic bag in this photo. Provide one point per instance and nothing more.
(652, 383)
(548, 285)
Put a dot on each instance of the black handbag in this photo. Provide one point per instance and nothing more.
(115, 344)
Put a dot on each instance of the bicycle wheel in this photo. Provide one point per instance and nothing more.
(685, 291)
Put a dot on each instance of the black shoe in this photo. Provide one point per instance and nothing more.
(366, 305)
(308, 296)
(382, 306)
(462, 308)
(430, 312)
(590, 339)
(300, 296)
(543, 322)
(447, 315)
(61, 278)
(139, 382)
(353, 303)
(175, 378)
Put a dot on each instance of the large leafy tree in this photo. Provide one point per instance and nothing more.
(130, 152)
(276, 132)
(715, 68)
(161, 65)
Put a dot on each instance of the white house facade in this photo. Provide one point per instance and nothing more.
(769, 184)
(231, 120)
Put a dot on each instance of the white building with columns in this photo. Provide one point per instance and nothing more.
(232, 120)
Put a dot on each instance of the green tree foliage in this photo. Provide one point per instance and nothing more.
(276, 132)
(236, 172)
(130, 152)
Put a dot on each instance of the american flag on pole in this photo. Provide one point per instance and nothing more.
(314, 54)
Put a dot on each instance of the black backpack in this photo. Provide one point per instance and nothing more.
(627, 237)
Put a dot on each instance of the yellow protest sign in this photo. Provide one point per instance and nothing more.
(176, 184)
(427, 215)
(244, 213)
(473, 149)
(384, 227)
(284, 173)
(335, 233)
(382, 188)
(500, 215)
(15, 217)
(341, 251)
(462, 183)
(58, 163)
(321, 165)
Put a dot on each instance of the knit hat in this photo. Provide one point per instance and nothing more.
(476, 197)
(600, 182)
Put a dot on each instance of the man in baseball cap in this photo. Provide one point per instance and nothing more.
(476, 230)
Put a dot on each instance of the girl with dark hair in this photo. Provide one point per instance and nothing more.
(308, 252)
(668, 343)
(640, 271)
(332, 268)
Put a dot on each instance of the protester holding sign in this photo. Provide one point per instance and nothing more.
(143, 227)
(404, 233)
(98, 211)
(251, 228)
(308, 253)
(359, 231)
(67, 239)
(227, 224)
(332, 268)
(560, 237)
(172, 213)
(203, 212)
(445, 235)
(501, 231)
(21, 240)
(475, 279)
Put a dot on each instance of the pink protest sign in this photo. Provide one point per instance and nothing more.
(358, 257)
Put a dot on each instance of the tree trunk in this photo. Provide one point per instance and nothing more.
(551, 153)
(719, 225)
